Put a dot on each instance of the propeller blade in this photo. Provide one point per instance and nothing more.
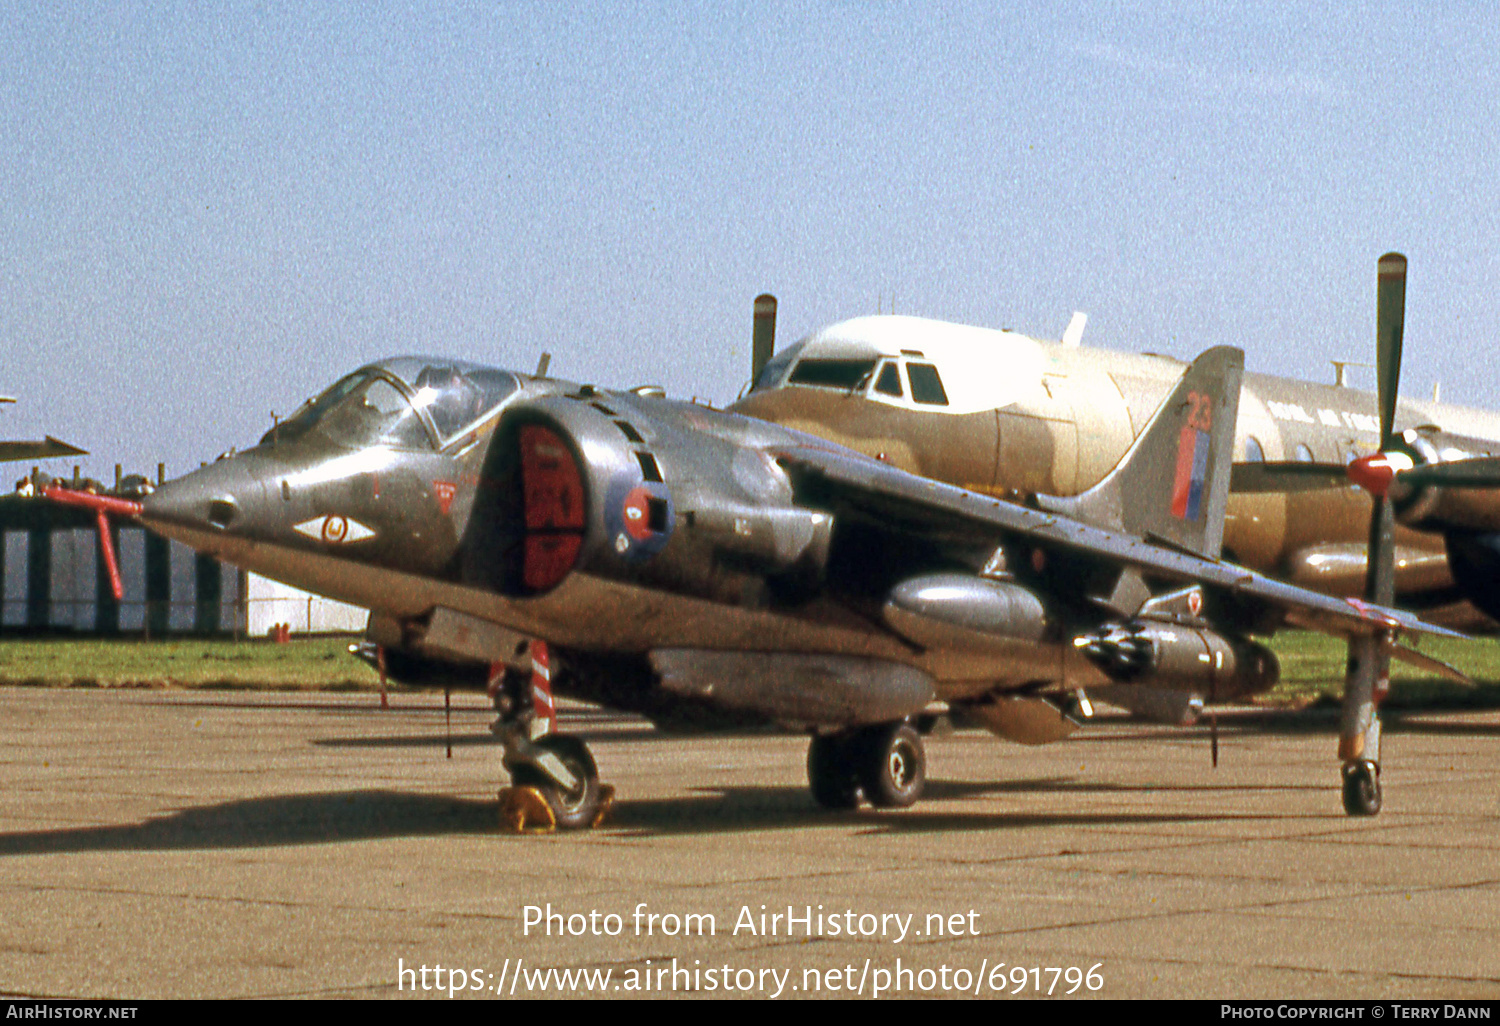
(1380, 575)
(1412, 657)
(763, 343)
(1369, 669)
(1390, 317)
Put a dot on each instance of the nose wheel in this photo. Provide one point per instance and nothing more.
(575, 804)
(886, 764)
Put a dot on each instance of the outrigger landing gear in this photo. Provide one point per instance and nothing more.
(554, 781)
(1361, 788)
(886, 764)
(1367, 680)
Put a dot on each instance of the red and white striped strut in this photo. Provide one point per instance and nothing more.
(544, 721)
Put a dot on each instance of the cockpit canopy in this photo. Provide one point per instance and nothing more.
(409, 402)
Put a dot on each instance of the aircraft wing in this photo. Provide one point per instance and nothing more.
(45, 449)
(853, 483)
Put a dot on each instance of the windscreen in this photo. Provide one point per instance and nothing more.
(371, 406)
(365, 408)
(844, 374)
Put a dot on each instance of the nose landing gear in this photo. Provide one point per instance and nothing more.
(565, 777)
(554, 781)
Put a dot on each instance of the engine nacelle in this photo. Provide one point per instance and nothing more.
(1443, 509)
(604, 484)
(1179, 657)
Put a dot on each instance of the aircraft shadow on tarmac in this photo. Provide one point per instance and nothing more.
(325, 817)
(737, 809)
(334, 817)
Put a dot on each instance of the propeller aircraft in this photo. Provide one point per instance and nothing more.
(1416, 520)
(1000, 413)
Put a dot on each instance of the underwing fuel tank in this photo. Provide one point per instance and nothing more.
(963, 611)
(1180, 657)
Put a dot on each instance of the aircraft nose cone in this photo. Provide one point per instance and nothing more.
(218, 497)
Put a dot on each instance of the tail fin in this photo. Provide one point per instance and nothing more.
(1172, 484)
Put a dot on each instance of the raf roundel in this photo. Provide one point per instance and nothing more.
(335, 530)
(638, 515)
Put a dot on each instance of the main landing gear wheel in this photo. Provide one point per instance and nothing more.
(892, 765)
(574, 808)
(887, 764)
(1361, 788)
(830, 772)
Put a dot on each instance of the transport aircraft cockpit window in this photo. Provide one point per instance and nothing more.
(831, 373)
(772, 372)
(889, 382)
(926, 386)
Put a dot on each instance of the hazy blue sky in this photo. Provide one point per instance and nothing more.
(211, 211)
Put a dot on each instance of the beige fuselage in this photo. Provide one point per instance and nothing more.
(1064, 415)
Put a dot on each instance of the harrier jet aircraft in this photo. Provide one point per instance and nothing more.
(1002, 414)
(537, 536)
